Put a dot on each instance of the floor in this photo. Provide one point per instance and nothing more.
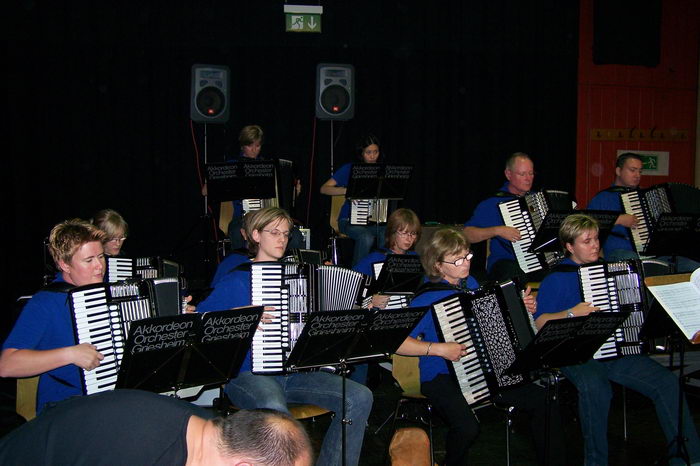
(645, 443)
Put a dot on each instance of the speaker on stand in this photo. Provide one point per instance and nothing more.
(209, 103)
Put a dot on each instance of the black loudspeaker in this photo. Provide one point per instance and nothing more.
(335, 91)
(209, 99)
(627, 32)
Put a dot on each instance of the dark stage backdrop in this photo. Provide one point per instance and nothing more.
(98, 111)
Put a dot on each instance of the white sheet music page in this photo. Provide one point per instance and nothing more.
(682, 302)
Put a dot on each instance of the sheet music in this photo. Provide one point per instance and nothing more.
(682, 303)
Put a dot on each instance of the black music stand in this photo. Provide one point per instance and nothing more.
(187, 350)
(564, 342)
(254, 179)
(675, 235)
(401, 274)
(339, 338)
(547, 236)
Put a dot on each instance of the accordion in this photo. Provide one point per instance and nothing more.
(615, 287)
(284, 187)
(102, 314)
(648, 205)
(494, 325)
(398, 276)
(294, 290)
(124, 268)
(526, 214)
(366, 211)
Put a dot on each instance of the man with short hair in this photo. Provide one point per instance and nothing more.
(42, 340)
(486, 222)
(618, 246)
(133, 427)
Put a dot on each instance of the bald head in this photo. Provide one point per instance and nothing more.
(264, 437)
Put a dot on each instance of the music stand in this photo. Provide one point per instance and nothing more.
(547, 236)
(564, 342)
(242, 179)
(675, 235)
(187, 350)
(339, 338)
(400, 274)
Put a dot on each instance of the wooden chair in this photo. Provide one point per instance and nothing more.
(407, 373)
(25, 403)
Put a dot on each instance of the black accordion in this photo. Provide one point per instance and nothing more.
(648, 205)
(526, 214)
(124, 268)
(615, 287)
(102, 314)
(494, 325)
(294, 290)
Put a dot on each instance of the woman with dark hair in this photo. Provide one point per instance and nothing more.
(446, 262)
(365, 236)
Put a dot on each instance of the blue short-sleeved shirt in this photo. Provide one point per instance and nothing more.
(233, 290)
(619, 237)
(229, 263)
(487, 215)
(342, 178)
(432, 366)
(559, 290)
(45, 324)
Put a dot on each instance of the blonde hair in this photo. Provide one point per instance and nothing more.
(110, 222)
(259, 220)
(66, 237)
(401, 219)
(574, 226)
(444, 242)
(249, 134)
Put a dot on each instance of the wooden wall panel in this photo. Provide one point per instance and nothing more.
(637, 97)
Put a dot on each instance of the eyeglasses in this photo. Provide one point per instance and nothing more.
(412, 234)
(461, 260)
(277, 233)
(117, 240)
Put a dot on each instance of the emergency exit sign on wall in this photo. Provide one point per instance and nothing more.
(653, 162)
(303, 18)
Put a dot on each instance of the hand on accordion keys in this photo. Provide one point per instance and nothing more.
(511, 234)
(266, 317)
(583, 309)
(627, 220)
(379, 301)
(529, 301)
(85, 356)
(451, 351)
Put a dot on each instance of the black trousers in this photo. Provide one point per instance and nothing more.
(463, 427)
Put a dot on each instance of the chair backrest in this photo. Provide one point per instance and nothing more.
(336, 204)
(655, 267)
(26, 397)
(225, 215)
(407, 373)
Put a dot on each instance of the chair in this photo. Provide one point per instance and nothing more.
(407, 373)
(341, 245)
(25, 403)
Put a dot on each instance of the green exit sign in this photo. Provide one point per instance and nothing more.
(302, 18)
(650, 162)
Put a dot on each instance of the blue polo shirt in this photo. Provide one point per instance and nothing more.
(487, 215)
(342, 178)
(45, 324)
(559, 290)
(432, 366)
(619, 237)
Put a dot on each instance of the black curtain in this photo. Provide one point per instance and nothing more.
(98, 111)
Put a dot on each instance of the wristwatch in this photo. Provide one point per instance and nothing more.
(570, 314)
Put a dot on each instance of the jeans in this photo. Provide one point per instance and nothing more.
(366, 237)
(592, 380)
(249, 391)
